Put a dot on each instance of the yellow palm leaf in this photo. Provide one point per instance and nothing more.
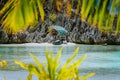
(59, 5)
(71, 58)
(68, 9)
(3, 63)
(90, 75)
(41, 9)
(18, 15)
(51, 70)
(118, 24)
(23, 65)
(38, 63)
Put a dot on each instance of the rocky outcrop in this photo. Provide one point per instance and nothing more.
(3, 36)
(79, 31)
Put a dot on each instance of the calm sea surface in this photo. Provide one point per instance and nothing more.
(103, 60)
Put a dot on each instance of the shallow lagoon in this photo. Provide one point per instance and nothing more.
(104, 60)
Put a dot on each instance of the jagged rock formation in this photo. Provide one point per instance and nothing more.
(79, 32)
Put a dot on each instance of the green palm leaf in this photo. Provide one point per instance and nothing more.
(118, 24)
(97, 11)
(71, 58)
(102, 14)
(18, 15)
(89, 8)
(41, 10)
(38, 63)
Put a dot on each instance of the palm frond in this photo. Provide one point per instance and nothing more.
(97, 11)
(89, 8)
(102, 15)
(41, 9)
(118, 24)
(18, 15)
(22, 64)
(68, 9)
(42, 69)
(83, 9)
(59, 5)
(71, 58)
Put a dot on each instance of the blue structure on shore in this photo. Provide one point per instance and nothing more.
(61, 31)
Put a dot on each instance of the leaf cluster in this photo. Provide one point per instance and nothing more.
(53, 70)
(18, 15)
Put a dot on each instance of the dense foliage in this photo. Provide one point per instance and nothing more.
(102, 14)
(18, 15)
(53, 70)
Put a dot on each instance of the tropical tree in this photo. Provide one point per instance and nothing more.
(18, 15)
(101, 13)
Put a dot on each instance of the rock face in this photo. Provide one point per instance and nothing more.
(79, 31)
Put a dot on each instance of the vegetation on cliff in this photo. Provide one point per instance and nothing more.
(18, 15)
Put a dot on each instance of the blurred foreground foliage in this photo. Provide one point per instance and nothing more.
(53, 70)
(3, 63)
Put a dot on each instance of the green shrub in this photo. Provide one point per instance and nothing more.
(53, 70)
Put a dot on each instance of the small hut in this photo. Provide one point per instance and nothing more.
(58, 33)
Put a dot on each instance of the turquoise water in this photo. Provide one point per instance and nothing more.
(103, 60)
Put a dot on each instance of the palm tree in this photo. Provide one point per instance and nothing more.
(18, 15)
(101, 13)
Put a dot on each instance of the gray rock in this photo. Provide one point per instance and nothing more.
(78, 31)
